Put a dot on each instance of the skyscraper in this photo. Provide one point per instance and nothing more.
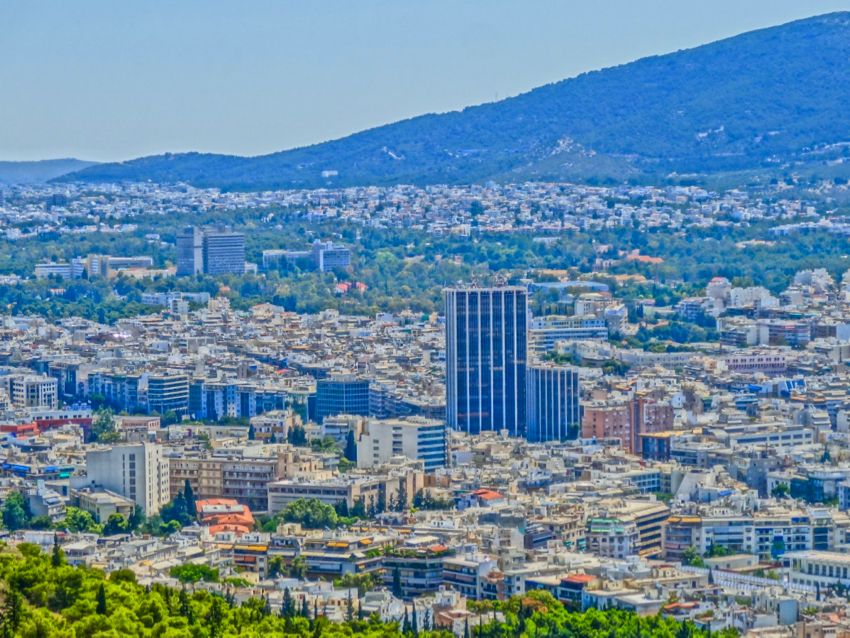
(190, 252)
(224, 251)
(486, 334)
(553, 403)
(213, 251)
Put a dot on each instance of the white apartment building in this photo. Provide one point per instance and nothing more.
(33, 391)
(138, 472)
(416, 438)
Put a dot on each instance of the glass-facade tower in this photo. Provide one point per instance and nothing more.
(486, 344)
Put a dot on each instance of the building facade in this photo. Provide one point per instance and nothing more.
(486, 343)
(553, 411)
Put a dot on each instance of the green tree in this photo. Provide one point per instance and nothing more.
(77, 520)
(103, 428)
(780, 491)
(57, 558)
(189, 497)
(310, 513)
(691, 557)
(101, 601)
(192, 573)
(397, 592)
(16, 513)
(115, 524)
(350, 452)
(13, 612)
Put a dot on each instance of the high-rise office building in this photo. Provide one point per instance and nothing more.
(553, 403)
(168, 393)
(486, 343)
(342, 394)
(190, 252)
(224, 252)
(212, 251)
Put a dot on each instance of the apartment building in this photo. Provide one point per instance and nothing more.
(627, 527)
(545, 332)
(168, 393)
(415, 438)
(465, 573)
(32, 391)
(137, 472)
(244, 479)
(370, 490)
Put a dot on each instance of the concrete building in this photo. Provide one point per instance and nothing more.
(415, 438)
(32, 391)
(168, 392)
(137, 472)
(190, 252)
(212, 251)
(224, 252)
(545, 332)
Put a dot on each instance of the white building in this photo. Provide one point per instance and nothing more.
(33, 391)
(138, 472)
(416, 438)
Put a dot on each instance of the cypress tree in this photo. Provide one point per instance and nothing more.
(349, 607)
(101, 601)
(397, 582)
(189, 497)
(56, 560)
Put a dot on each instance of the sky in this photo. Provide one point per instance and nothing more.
(108, 81)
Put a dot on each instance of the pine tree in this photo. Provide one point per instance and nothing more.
(57, 558)
(101, 601)
(189, 497)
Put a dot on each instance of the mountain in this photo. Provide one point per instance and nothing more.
(755, 102)
(41, 171)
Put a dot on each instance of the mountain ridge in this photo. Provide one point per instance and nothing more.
(760, 101)
(32, 172)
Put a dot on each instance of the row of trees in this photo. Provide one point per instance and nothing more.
(47, 598)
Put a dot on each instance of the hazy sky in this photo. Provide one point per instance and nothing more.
(110, 80)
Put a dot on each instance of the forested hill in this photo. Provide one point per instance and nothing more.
(757, 101)
(40, 171)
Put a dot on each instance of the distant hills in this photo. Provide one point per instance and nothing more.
(40, 171)
(768, 101)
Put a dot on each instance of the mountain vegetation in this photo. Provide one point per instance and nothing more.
(768, 101)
